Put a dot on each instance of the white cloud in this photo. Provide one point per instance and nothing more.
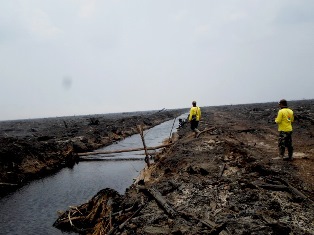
(181, 15)
(201, 29)
(87, 8)
(41, 25)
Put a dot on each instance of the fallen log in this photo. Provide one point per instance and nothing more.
(294, 190)
(161, 201)
(274, 187)
(206, 130)
(124, 150)
(215, 229)
(86, 159)
(285, 186)
(222, 170)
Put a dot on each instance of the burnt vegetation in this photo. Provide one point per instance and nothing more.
(229, 180)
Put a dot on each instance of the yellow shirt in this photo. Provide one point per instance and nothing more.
(195, 111)
(284, 119)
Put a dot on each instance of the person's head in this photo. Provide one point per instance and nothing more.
(283, 103)
(194, 103)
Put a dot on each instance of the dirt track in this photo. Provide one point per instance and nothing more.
(228, 181)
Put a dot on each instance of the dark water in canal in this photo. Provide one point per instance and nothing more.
(33, 208)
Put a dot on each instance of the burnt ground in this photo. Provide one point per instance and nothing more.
(229, 180)
(34, 148)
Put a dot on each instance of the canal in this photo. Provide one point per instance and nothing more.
(33, 208)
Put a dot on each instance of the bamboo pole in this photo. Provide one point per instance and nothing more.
(124, 150)
(171, 129)
(139, 127)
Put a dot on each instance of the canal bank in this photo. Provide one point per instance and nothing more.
(33, 208)
(34, 148)
(229, 180)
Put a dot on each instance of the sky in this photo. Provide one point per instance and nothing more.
(81, 57)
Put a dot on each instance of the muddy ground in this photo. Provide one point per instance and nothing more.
(229, 180)
(34, 148)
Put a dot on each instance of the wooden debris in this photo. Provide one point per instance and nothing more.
(275, 187)
(124, 150)
(107, 158)
(294, 190)
(103, 214)
(95, 214)
(206, 130)
(222, 170)
(121, 226)
(285, 186)
(162, 202)
(139, 127)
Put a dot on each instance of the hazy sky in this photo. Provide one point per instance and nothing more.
(76, 57)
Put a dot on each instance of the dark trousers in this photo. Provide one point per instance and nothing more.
(194, 125)
(285, 141)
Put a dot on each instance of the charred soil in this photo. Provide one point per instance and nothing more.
(34, 148)
(229, 180)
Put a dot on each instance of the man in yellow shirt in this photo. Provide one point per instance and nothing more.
(284, 120)
(194, 117)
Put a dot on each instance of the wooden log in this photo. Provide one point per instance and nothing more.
(294, 190)
(162, 202)
(206, 130)
(215, 229)
(285, 186)
(107, 158)
(145, 148)
(275, 187)
(222, 170)
(124, 150)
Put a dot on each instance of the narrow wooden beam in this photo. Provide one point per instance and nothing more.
(123, 150)
(139, 127)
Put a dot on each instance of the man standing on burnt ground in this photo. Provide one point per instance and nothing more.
(284, 120)
(194, 118)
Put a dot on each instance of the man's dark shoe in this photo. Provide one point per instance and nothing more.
(287, 159)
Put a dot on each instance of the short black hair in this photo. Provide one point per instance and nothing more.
(283, 102)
